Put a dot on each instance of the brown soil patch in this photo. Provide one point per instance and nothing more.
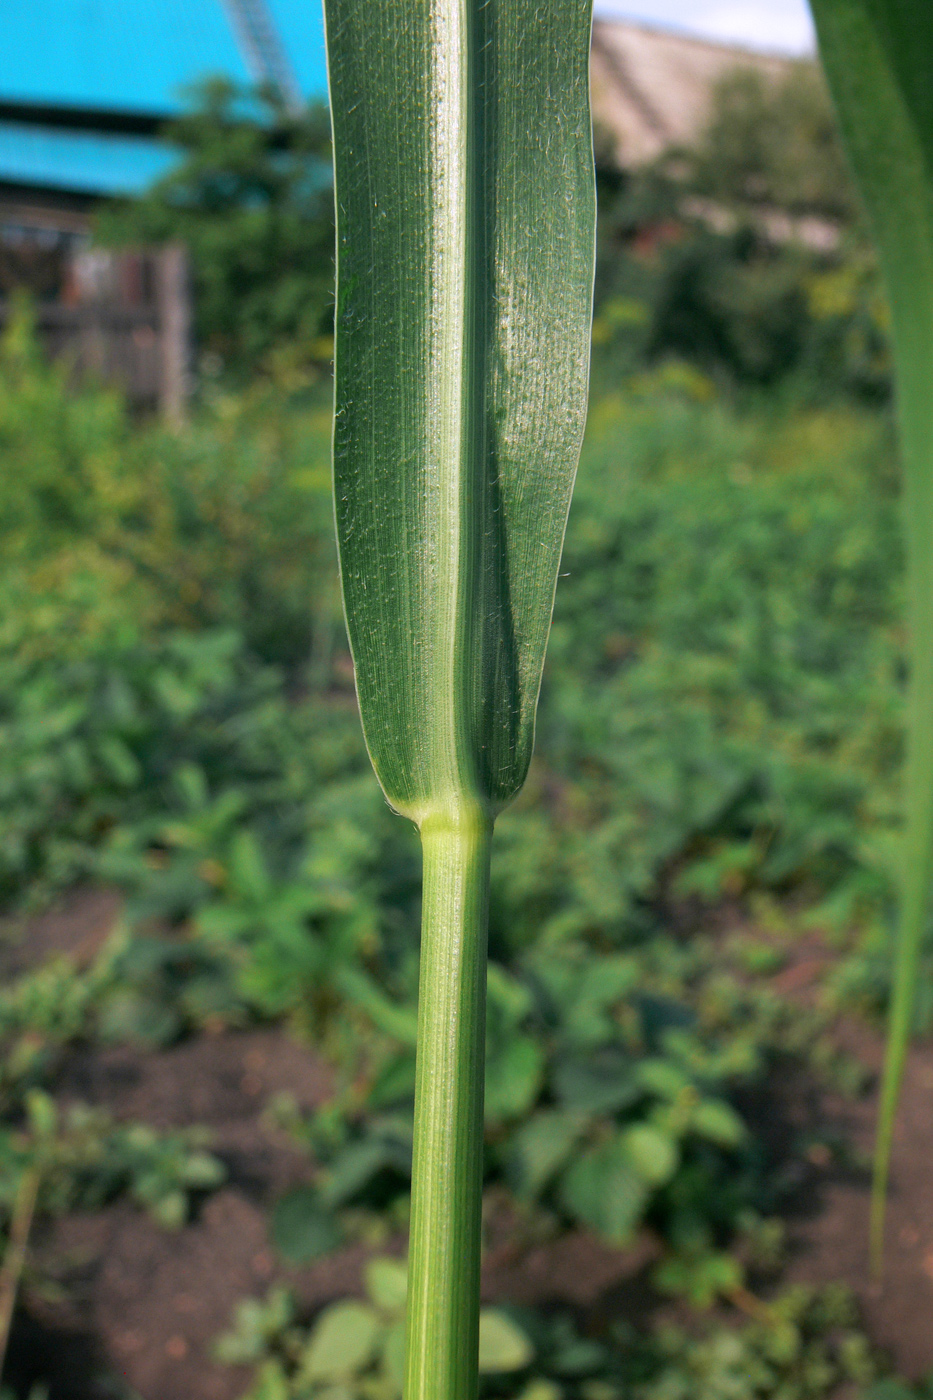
(78, 926)
(153, 1300)
(830, 1241)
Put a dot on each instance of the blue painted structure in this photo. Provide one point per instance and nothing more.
(121, 59)
(33, 156)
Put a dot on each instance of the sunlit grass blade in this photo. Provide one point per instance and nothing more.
(878, 56)
(465, 233)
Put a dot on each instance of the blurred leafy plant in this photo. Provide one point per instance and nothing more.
(82, 1160)
(719, 723)
(607, 1107)
(354, 1350)
(804, 1346)
(772, 141)
(745, 255)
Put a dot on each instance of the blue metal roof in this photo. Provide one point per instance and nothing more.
(124, 56)
(135, 55)
(78, 161)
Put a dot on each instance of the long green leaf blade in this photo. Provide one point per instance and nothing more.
(465, 244)
(465, 215)
(878, 56)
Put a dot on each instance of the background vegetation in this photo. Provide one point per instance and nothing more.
(252, 198)
(719, 747)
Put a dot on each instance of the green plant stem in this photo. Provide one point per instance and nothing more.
(913, 334)
(14, 1260)
(444, 1247)
(877, 58)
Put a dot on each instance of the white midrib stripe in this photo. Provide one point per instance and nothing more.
(452, 374)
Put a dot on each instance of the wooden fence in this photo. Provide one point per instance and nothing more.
(124, 317)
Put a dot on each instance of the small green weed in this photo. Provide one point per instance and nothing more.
(354, 1350)
(805, 1345)
(82, 1160)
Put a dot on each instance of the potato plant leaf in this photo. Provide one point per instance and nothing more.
(878, 56)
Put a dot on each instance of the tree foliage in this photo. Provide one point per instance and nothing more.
(774, 142)
(745, 254)
(252, 197)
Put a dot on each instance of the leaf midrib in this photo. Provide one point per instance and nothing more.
(458, 303)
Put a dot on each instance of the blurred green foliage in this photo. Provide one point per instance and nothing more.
(730, 616)
(606, 1106)
(772, 141)
(720, 724)
(744, 256)
(354, 1350)
(82, 1160)
(803, 1346)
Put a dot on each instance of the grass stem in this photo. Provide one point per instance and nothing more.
(14, 1259)
(444, 1249)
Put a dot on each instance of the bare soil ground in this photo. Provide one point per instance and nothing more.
(830, 1235)
(142, 1305)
